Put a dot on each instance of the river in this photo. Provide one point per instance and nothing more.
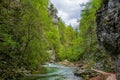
(54, 71)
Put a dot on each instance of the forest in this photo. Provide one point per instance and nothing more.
(31, 35)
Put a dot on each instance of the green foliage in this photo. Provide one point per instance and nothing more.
(91, 52)
(28, 32)
(69, 39)
(31, 32)
(88, 28)
(22, 34)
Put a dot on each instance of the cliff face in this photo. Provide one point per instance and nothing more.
(108, 26)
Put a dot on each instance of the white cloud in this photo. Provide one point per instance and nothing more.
(69, 10)
(63, 15)
(73, 22)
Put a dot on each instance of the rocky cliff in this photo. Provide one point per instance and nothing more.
(108, 26)
(108, 29)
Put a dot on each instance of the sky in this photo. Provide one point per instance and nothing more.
(69, 10)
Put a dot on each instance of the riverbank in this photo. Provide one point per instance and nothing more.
(71, 64)
(66, 70)
(91, 74)
(103, 75)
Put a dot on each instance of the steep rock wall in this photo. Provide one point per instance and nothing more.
(108, 26)
(108, 29)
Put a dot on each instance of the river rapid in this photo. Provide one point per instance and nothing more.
(54, 71)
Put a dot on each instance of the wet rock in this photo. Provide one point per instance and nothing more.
(86, 74)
